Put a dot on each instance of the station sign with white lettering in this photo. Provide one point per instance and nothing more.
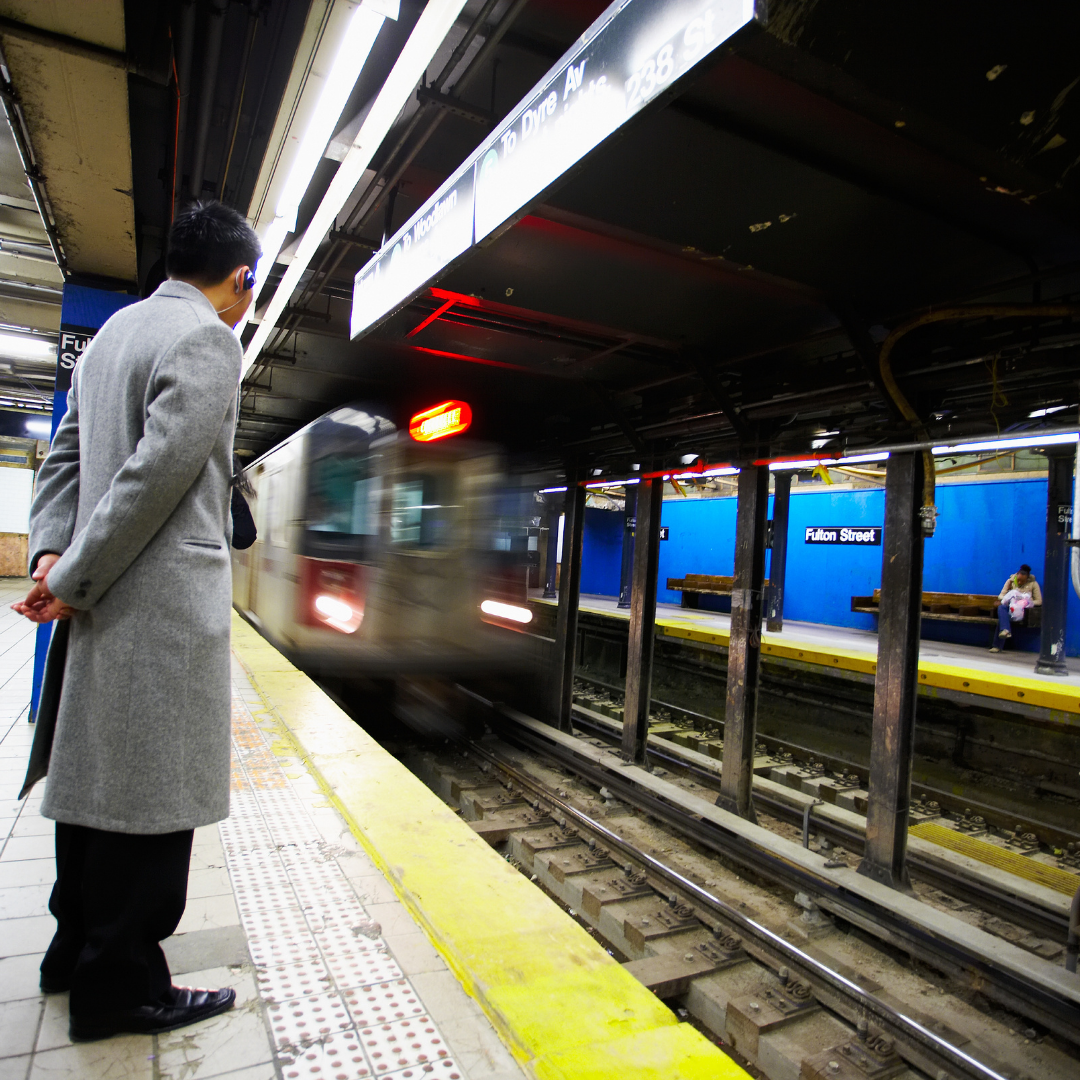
(634, 53)
(626, 59)
(859, 535)
(72, 344)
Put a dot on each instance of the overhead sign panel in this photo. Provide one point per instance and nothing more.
(619, 66)
(436, 235)
(633, 53)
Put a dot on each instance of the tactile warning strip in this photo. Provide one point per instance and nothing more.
(337, 1003)
(1059, 880)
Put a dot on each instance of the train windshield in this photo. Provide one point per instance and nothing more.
(342, 518)
(422, 511)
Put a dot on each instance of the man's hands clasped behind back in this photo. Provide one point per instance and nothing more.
(40, 605)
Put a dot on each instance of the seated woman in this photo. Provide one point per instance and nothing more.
(1020, 590)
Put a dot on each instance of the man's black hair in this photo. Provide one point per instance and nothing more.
(1024, 568)
(209, 240)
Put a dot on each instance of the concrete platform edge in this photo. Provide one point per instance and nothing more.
(563, 1007)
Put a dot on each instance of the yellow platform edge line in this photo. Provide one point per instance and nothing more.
(1063, 700)
(1050, 876)
(562, 1005)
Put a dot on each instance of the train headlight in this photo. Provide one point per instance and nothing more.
(511, 612)
(337, 613)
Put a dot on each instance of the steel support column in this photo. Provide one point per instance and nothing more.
(569, 599)
(639, 657)
(778, 561)
(626, 575)
(896, 683)
(744, 646)
(1055, 583)
(551, 560)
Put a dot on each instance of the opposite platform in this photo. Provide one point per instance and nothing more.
(963, 669)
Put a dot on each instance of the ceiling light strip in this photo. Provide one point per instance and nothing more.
(973, 446)
(434, 24)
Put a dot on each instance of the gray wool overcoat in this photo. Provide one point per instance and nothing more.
(134, 495)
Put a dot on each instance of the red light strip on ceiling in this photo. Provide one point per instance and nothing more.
(432, 317)
(471, 359)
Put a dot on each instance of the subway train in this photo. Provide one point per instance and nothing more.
(387, 553)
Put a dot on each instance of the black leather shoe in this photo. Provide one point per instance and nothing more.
(53, 985)
(189, 1006)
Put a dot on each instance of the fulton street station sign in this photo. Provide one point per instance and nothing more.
(632, 56)
(861, 535)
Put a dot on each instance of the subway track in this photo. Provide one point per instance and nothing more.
(978, 799)
(502, 783)
(1015, 908)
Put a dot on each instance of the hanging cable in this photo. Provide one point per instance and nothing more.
(928, 512)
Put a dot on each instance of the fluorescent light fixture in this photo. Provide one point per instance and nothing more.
(1046, 412)
(727, 470)
(41, 429)
(688, 459)
(355, 47)
(551, 491)
(1007, 444)
(26, 347)
(511, 612)
(435, 22)
(813, 463)
(859, 459)
(352, 54)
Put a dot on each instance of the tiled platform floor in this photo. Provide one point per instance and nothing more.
(333, 978)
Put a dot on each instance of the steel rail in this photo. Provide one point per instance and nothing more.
(914, 1042)
(1014, 908)
(834, 761)
(1008, 989)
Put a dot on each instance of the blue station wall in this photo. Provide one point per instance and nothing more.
(601, 553)
(985, 530)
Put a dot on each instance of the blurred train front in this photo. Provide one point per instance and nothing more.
(380, 555)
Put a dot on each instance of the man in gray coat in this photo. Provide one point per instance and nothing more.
(129, 539)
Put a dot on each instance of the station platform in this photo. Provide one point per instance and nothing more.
(367, 929)
(1006, 676)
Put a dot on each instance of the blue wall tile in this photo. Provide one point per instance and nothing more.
(985, 531)
(601, 556)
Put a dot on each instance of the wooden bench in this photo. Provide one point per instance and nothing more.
(977, 608)
(694, 586)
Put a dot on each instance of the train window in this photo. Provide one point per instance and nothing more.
(342, 511)
(278, 509)
(421, 514)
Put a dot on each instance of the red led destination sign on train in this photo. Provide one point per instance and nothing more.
(440, 421)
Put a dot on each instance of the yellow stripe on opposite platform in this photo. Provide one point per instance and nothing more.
(566, 1009)
(1050, 876)
(1063, 700)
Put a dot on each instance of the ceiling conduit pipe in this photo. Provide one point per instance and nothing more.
(183, 90)
(238, 95)
(206, 94)
(928, 512)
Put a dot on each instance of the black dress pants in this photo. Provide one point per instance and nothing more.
(116, 897)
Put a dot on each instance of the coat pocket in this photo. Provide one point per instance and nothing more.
(213, 545)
